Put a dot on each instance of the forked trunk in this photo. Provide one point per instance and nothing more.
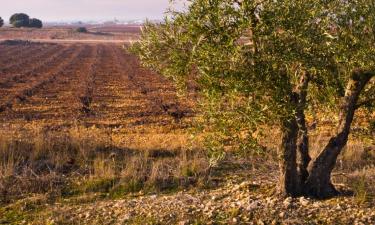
(319, 183)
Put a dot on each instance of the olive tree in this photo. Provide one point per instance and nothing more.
(23, 20)
(19, 20)
(352, 34)
(36, 23)
(263, 63)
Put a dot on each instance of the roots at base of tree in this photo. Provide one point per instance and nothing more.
(320, 190)
(313, 188)
(316, 192)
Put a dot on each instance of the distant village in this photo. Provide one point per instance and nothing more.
(98, 22)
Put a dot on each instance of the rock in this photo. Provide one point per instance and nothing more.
(244, 184)
(253, 205)
(236, 188)
(287, 202)
(126, 217)
(303, 201)
(248, 206)
(316, 204)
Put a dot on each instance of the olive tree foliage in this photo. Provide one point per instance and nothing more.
(352, 31)
(207, 50)
(35, 23)
(19, 20)
(23, 20)
(263, 64)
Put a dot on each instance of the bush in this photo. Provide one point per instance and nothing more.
(23, 20)
(81, 29)
(19, 20)
(35, 23)
(1, 22)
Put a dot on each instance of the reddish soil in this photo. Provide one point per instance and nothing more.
(92, 84)
(103, 33)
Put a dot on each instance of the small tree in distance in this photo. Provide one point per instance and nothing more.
(81, 30)
(35, 23)
(19, 20)
(1, 22)
(23, 20)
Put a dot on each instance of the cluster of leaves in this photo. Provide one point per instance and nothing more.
(1, 22)
(206, 48)
(35, 23)
(23, 20)
(249, 56)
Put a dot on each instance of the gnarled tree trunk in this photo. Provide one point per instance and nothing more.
(294, 148)
(303, 158)
(289, 182)
(319, 183)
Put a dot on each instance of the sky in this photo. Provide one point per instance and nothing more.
(84, 10)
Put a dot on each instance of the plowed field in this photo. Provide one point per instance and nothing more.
(101, 85)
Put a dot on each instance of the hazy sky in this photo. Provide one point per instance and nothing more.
(66, 10)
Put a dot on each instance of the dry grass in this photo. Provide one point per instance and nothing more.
(66, 161)
(78, 160)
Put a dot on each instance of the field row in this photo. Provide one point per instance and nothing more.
(90, 84)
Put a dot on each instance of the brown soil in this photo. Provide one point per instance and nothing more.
(98, 84)
(95, 33)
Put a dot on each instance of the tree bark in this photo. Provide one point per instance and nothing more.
(289, 181)
(295, 143)
(303, 158)
(319, 183)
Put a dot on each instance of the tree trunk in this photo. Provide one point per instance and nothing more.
(295, 143)
(319, 183)
(289, 181)
(303, 158)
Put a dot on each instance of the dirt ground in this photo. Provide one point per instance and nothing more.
(99, 84)
(60, 86)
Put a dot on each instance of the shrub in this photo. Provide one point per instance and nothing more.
(1, 22)
(19, 20)
(35, 23)
(81, 29)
